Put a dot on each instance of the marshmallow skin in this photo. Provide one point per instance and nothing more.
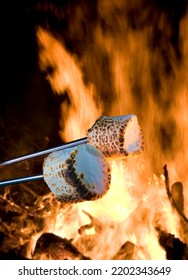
(77, 174)
(118, 136)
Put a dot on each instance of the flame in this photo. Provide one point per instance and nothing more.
(67, 77)
(136, 202)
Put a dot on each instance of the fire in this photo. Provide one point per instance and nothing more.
(67, 77)
(147, 81)
(134, 205)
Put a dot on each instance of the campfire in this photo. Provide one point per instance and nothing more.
(103, 62)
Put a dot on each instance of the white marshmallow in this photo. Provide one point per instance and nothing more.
(77, 174)
(116, 136)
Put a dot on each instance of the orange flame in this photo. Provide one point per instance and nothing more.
(136, 202)
(67, 76)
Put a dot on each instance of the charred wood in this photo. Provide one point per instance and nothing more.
(126, 252)
(11, 255)
(174, 247)
(175, 200)
(2, 237)
(52, 247)
(177, 195)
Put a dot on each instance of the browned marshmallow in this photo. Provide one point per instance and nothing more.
(116, 136)
(77, 174)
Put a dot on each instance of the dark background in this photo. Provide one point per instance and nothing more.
(29, 111)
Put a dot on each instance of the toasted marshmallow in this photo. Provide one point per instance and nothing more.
(77, 174)
(118, 136)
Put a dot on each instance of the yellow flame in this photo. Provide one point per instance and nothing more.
(67, 76)
(136, 203)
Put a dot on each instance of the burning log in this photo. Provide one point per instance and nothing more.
(126, 252)
(174, 247)
(52, 247)
(176, 200)
(177, 195)
(130, 251)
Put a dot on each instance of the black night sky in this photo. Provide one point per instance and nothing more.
(26, 96)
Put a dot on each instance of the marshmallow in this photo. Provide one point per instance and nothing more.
(116, 136)
(77, 174)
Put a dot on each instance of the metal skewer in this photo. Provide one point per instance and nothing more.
(44, 152)
(33, 155)
(21, 180)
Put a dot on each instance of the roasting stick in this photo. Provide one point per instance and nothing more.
(15, 181)
(33, 155)
(118, 136)
(44, 152)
